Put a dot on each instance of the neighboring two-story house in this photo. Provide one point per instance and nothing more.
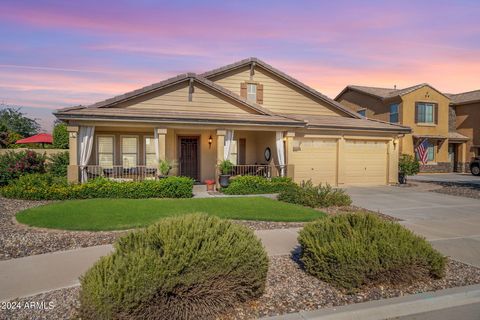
(467, 109)
(424, 109)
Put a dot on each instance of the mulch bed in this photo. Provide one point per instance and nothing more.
(289, 289)
(468, 190)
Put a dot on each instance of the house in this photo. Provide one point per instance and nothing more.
(263, 120)
(424, 109)
(467, 111)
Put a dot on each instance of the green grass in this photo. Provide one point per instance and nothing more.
(119, 214)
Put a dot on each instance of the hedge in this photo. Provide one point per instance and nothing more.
(257, 185)
(189, 267)
(48, 187)
(353, 250)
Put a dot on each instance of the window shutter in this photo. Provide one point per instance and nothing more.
(243, 90)
(260, 93)
(435, 113)
(416, 113)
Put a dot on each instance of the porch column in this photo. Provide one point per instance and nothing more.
(162, 133)
(289, 154)
(341, 161)
(72, 170)
(220, 151)
(463, 156)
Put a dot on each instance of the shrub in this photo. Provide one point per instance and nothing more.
(44, 187)
(309, 195)
(189, 267)
(408, 165)
(60, 136)
(353, 250)
(58, 164)
(257, 185)
(14, 164)
(226, 167)
(164, 167)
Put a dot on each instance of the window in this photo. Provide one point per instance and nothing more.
(150, 157)
(252, 92)
(362, 112)
(394, 112)
(425, 112)
(430, 152)
(105, 151)
(129, 151)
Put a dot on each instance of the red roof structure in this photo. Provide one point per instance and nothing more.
(38, 138)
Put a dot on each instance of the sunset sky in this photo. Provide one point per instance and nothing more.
(56, 54)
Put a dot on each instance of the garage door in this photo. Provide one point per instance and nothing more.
(365, 162)
(315, 159)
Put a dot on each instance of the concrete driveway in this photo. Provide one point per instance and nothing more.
(448, 177)
(450, 223)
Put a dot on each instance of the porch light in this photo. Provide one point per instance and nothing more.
(210, 140)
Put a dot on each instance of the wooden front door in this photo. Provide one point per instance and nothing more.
(189, 157)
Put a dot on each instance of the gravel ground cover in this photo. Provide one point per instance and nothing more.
(289, 289)
(459, 189)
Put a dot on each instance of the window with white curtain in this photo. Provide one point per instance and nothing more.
(234, 152)
(252, 92)
(150, 160)
(129, 151)
(105, 151)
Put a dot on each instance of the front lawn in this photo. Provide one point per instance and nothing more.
(119, 214)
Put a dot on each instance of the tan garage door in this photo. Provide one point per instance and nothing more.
(365, 162)
(315, 159)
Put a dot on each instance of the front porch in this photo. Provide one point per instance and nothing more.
(133, 153)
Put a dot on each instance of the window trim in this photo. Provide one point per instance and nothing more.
(113, 147)
(434, 107)
(121, 147)
(145, 148)
(397, 113)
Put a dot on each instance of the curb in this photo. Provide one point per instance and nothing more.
(394, 307)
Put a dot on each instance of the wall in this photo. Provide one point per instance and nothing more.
(278, 95)
(468, 124)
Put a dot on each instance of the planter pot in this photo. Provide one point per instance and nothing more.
(402, 178)
(162, 177)
(210, 187)
(224, 180)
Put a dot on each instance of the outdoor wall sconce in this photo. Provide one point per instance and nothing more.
(210, 140)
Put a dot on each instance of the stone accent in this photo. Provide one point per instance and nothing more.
(440, 167)
(452, 119)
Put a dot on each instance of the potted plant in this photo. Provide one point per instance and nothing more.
(164, 167)
(210, 184)
(407, 166)
(225, 167)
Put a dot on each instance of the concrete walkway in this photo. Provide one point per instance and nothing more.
(41, 273)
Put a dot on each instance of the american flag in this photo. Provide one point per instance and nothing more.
(422, 151)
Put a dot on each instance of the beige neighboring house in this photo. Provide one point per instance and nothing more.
(424, 109)
(264, 121)
(467, 112)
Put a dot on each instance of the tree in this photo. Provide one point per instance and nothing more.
(14, 120)
(60, 136)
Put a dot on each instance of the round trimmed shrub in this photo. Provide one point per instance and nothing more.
(353, 250)
(190, 267)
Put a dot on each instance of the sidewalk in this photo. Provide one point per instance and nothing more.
(36, 274)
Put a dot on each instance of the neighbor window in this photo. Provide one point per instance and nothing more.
(362, 112)
(430, 152)
(105, 151)
(394, 112)
(150, 158)
(425, 112)
(129, 151)
(252, 92)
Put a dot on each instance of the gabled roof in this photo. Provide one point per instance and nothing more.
(296, 83)
(465, 97)
(386, 93)
(112, 102)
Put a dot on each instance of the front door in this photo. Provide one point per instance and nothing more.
(189, 155)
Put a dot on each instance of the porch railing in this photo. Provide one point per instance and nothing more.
(261, 170)
(121, 173)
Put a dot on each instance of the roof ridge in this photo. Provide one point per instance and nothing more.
(456, 94)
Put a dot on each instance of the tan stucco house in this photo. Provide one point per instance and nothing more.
(266, 122)
(424, 109)
(466, 108)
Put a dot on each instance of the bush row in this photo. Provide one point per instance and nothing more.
(189, 267)
(257, 185)
(50, 187)
(353, 250)
(321, 196)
